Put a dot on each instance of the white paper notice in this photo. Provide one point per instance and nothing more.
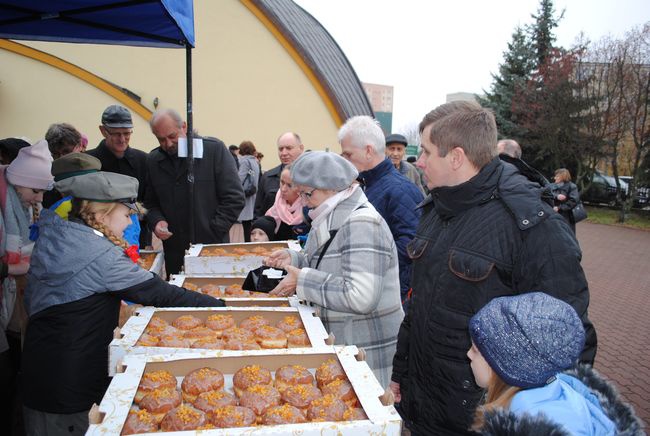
(197, 150)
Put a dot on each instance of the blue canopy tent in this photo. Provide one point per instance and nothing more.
(148, 23)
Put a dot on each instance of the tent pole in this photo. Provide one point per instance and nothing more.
(190, 142)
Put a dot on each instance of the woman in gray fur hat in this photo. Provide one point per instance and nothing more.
(524, 353)
(349, 265)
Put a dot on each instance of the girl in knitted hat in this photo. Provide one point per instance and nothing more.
(522, 347)
(81, 270)
(22, 184)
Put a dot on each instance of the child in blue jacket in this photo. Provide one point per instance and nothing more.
(521, 348)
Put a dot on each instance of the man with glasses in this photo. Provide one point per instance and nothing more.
(117, 156)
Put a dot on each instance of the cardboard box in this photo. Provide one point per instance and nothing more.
(125, 338)
(109, 416)
(154, 261)
(224, 281)
(236, 260)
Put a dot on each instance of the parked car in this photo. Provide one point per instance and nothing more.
(603, 189)
(642, 192)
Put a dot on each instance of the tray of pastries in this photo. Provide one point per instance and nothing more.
(181, 330)
(305, 392)
(233, 259)
(228, 288)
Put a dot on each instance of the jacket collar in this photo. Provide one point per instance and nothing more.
(105, 153)
(371, 176)
(522, 196)
(275, 171)
(450, 201)
(167, 164)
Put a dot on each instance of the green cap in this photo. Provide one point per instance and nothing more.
(74, 164)
(101, 186)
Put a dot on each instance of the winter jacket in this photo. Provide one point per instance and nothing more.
(356, 284)
(488, 237)
(133, 163)
(396, 199)
(409, 171)
(74, 287)
(248, 164)
(580, 402)
(268, 187)
(565, 207)
(218, 198)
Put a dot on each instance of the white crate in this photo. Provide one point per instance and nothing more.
(126, 337)
(158, 262)
(383, 419)
(196, 264)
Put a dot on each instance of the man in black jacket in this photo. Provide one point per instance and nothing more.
(289, 148)
(484, 233)
(117, 156)
(218, 193)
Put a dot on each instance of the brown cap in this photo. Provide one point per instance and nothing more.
(74, 164)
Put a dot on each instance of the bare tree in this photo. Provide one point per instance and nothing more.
(411, 132)
(636, 97)
(606, 121)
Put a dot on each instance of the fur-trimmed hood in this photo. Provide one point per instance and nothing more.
(506, 423)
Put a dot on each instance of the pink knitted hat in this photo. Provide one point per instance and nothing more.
(32, 168)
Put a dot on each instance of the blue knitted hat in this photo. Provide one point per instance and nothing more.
(527, 339)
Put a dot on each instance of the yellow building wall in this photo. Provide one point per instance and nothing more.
(246, 86)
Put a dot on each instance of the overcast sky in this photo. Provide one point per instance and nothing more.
(427, 49)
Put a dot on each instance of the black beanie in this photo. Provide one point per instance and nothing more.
(266, 224)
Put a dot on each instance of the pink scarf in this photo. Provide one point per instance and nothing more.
(284, 212)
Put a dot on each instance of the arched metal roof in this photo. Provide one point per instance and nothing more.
(321, 54)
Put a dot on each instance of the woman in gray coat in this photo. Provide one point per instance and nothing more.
(349, 265)
(249, 175)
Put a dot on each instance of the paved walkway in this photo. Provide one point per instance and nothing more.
(617, 264)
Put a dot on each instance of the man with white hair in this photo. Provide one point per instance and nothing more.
(393, 195)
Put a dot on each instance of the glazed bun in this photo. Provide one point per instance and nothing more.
(153, 380)
(285, 414)
(187, 322)
(291, 375)
(183, 417)
(233, 416)
(139, 421)
(250, 375)
(199, 381)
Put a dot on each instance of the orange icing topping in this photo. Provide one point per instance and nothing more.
(187, 414)
(285, 411)
(214, 396)
(259, 389)
(144, 416)
(158, 376)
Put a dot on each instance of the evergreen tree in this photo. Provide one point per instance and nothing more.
(541, 31)
(514, 73)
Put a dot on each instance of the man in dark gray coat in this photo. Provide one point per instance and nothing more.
(218, 194)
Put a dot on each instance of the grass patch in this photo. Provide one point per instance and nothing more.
(601, 215)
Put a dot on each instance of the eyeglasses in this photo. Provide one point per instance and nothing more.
(126, 134)
(306, 194)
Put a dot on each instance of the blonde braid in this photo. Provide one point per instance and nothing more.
(91, 221)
